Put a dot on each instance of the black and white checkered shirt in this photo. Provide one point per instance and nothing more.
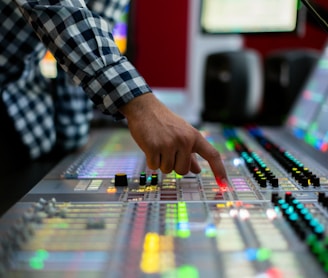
(78, 33)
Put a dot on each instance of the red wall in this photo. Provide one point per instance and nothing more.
(161, 41)
(314, 38)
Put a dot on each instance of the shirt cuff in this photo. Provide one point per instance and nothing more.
(115, 86)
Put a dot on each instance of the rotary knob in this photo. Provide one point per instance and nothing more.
(121, 179)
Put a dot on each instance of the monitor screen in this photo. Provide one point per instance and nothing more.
(307, 118)
(249, 16)
(317, 134)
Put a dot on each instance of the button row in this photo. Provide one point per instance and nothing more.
(292, 165)
(257, 167)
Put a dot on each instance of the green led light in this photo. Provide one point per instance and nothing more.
(182, 209)
(317, 248)
(311, 239)
(184, 271)
(170, 215)
(325, 267)
(182, 216)
(36, 263)
(310, 140)
(230, 145)
(189, 271)
(183, 233)
(263, 254)
(43, 254)
(182, 219)
(60, 226)
(323, 257)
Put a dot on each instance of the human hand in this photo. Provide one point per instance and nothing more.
(168, 141)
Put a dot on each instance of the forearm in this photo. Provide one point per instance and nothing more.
(83, 45)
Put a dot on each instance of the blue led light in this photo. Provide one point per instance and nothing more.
(251, 254)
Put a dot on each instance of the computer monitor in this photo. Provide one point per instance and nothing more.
(250, 16)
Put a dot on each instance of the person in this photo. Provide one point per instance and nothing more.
(56, 116)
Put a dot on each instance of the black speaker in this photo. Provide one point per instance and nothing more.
(233, 86)
(285, 73)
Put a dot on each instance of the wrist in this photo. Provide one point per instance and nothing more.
(138, 105)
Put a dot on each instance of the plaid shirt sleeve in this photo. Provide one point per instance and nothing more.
(80, 37)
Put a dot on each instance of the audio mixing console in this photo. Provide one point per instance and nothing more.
(102, 213)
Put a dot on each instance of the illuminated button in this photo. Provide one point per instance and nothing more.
(211, 230)
(187, 271)
(111, 189)
(121, 179)
(263, 254)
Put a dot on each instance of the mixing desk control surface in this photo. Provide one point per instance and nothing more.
(102, 213)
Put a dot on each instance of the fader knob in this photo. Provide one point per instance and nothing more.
(154, 179)
(315, 181)
(325, 202)
(321, 197)
(274, 182)
(262, 182)
(274, 197)
(121, 179)
(143, 179)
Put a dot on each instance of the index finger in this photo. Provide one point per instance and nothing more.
(213, 157)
